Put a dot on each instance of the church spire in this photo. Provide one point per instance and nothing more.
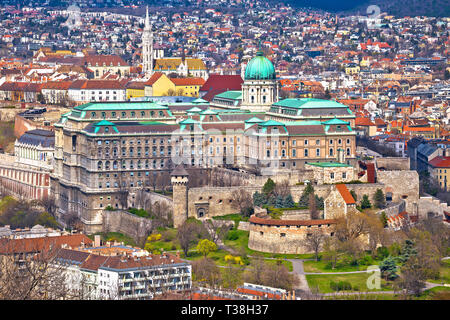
(147, 21)
(147, 47)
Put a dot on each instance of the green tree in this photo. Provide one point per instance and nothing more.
(268, 187)
(206, 246)
(379, 199)
(259, 199)
(353, 193)
(365, 202)
(408, 250)
(288, 202)
(388, 268)
(279, 202)
(47, 220)
(304, 198)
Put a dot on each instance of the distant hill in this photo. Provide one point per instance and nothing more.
(400, 8)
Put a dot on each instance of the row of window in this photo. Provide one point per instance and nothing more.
(123, 164)
(138, 141)
(306, 153)
(138, 151)
(124, 114)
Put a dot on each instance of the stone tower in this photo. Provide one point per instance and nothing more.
(179, 179)
(147, 48)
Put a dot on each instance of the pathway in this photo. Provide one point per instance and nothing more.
(297, 266)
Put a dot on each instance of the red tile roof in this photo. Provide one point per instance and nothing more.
(153, 78)
(104, 59)
(440, 162)
(9, 246)
(346, 195)
(259, 293)
(363, 122)
(188, 81)
(218, 81)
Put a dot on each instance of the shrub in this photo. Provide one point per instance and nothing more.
(233, 235)
(382, 252)
(340, 286)
(365, 203)
(366, 261)
(154, 237)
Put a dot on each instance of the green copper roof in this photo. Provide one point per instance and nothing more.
(94, 106)
(253, 120)
(188, 121)
(259, 68)
(328, 164)
(336, 121)
(200, 100)
(194, 110)
(234, 95)
(308, 103)
(104, 123)
(272, 123)
(208, 111)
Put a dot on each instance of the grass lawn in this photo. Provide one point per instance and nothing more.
(444, 272)
(436, 293)
(115, 236)
(370, 296)
(357, 280)
(321, 266)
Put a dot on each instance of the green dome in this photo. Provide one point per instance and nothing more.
(259, 68)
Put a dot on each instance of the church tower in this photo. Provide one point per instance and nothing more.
(147, 48)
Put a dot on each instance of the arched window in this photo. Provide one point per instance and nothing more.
(107, 165)
(331, 151)
(115, 165)
(99, 165)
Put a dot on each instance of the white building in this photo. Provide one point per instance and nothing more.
(83, 91)
(122, 277)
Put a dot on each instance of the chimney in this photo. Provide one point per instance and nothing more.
(97, 241)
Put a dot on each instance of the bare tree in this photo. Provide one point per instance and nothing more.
(314, 241)
(241, 200)
(32, 275)
(282, 189)
(217, 229)
(186, 234)
(206, 270)
(49, 204)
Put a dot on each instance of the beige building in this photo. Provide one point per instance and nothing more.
(101, 65)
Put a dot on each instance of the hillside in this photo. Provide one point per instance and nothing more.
(400, 8)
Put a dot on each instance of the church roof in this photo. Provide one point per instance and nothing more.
(173, 63)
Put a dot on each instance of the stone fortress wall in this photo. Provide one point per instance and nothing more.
(126, 223)
(282, 238)
(207, 202)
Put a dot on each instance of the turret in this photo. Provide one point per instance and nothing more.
(180, 180)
